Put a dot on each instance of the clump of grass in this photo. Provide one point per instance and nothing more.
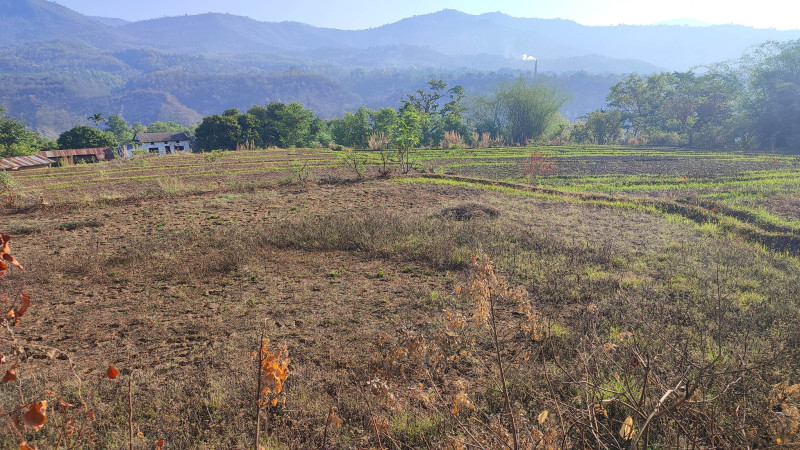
(78, 224)
(413, 237)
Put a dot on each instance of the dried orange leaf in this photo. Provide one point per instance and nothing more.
(334, 420)
(11, 374)
(35, 417)
(159, 444)
(12, 260)
(275, 401)
(112, 372)
(24, 446)
(26, 303)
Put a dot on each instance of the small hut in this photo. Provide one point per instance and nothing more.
(79, 155)
(25, 162)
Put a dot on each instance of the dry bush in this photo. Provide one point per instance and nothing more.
(378, 141)
(641, 140)
(485, 140)
(452, 140)
(246, 146)
(537, 165)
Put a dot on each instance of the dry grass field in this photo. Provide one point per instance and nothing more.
(651, 318)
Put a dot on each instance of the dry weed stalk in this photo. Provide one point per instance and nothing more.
(486, 290)
(448, 361)
(272, 371)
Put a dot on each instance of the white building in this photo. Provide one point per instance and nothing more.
(163, 143)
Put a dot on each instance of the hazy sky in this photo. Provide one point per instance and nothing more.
(356, 14)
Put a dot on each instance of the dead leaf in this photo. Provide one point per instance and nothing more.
(11, 374)
(24, 446)
(26, 302)
(13, 261)
(159, 444)
(112, 373)
(543, 416)
(627, 431)
(35, 417)
(333, 419)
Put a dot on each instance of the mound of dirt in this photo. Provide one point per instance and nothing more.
(469, 211)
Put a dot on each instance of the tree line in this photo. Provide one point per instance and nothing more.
(750, 103)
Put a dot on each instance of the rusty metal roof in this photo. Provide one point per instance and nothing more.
(160, 137)
(16, 162)
(102, 153)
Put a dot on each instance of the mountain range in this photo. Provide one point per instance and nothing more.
(57, 65)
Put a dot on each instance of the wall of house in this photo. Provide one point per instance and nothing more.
(164, 148)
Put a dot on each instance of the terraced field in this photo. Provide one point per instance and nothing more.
(646, 268)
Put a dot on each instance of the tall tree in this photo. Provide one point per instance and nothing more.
(353, 130)
(435, 114)
(526, 111)
(600, 127)
(218, 132)
(15, 138)
(117, 126)
(697, 102)
(97, 119)
(772, 105)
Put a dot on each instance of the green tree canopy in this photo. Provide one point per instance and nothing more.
(600, 127)
(218, 132)
(772, 102)
(440, 109)
(524, 112)
(97, 119)
(353, 130)
(15, 138)
(86, 137)
(286, 124)
(117, 126)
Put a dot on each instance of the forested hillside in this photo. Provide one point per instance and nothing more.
(58, 66)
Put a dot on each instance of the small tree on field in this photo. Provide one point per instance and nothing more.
(538, 164)
(406, 138)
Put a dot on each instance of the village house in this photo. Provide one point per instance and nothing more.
(25, 162)
(79, 155)
(163, 143)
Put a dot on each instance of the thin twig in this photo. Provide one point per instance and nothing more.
(130, 410)
(11, 424)
(259, 361)
(502, 374)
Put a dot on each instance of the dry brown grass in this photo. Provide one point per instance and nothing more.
(358, 280)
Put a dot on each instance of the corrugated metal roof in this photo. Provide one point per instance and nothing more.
(160, 137)
(16, 162)
(102, 153)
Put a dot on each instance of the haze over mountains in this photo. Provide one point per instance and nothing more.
(57, 66)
